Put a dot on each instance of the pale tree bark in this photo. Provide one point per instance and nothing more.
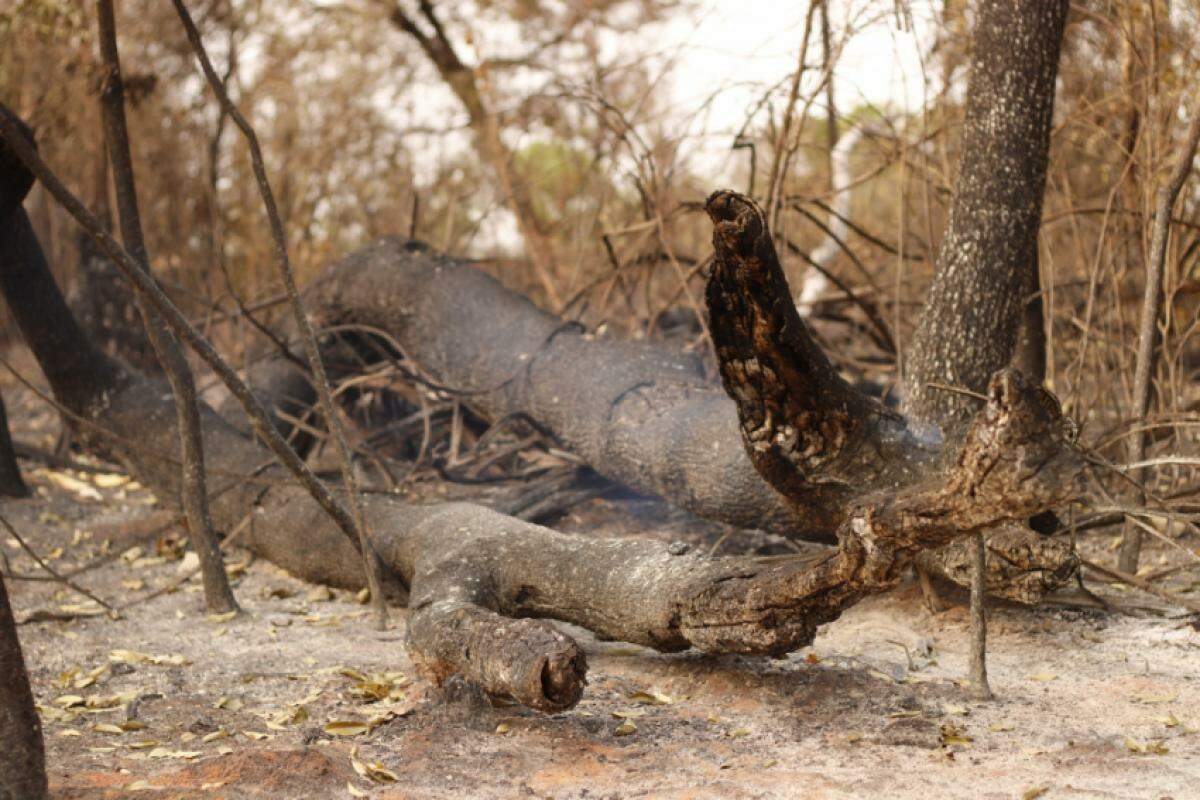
(980, 299)
(975, 305)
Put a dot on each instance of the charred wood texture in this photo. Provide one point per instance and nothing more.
(23, 764)
(11, 483)
(977, 300)
(479, 579)
(643, 414)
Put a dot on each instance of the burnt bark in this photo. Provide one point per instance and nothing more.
(23, 765)
(476, 576)
(975, 305)
(11, 483)
(639, 413)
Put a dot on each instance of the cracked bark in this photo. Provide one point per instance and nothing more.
(479, 579)
(641, 414)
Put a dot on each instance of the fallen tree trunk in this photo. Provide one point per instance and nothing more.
(642, 414)
(474, 574)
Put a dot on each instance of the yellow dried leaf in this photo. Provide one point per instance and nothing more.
(1034, 792)
(354, 790)
(1044, 677)
(228, 704)
(68, 700)
(257, 735)
(955, 710)
(74, 485)
(1155, 747)
(1001, 727)
(650, 698)
(502, 728)
(371, 770)
(109, 480)
(107, 727)
(163, 752)
(626, 728)
(738, 733)
(1169, 696)
(133, 725)
(345, 727)
(955, 734)
(212, 737)
(221, 619)
(631, 713)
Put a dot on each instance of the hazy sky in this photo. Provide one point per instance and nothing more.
(738, 47)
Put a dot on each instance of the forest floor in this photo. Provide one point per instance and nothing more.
(301, 697)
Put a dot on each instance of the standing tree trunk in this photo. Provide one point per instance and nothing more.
(11, 484)
(977, 299)
(980, 298)
(23, 763)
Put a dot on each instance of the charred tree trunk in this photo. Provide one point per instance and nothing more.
(976, 303)
(472, 570)
(11, 484)
(639, 413)
(23, 765)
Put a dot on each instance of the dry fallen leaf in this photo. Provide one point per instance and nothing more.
(1044, 677)
(953, 733)
(1154, 747)
(631, 713)
(626, 728)
(1034, 792)
(650, 698)
(371, 770)
(1157, 697)
(345, 727)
